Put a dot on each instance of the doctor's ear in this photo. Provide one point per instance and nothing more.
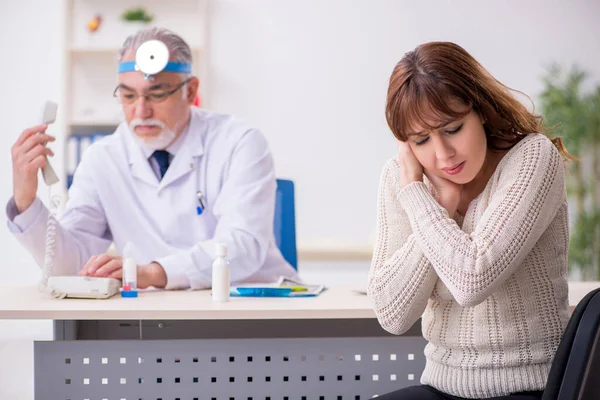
(191, 88)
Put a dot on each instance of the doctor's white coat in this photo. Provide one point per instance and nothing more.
(116, 197)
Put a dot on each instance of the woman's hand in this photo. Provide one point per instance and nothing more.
(410, 168)
(447, 193)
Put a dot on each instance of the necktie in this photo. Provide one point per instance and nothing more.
(162, 158)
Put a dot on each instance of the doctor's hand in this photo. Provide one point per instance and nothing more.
(110, 266)
(103, 266)
(29, 154)
(410, 168)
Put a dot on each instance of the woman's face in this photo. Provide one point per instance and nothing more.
(455, 151)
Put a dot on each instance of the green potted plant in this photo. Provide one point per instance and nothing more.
(575, 115)
(136, 18)
(138, 14)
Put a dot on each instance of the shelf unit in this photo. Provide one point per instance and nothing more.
(90, 59)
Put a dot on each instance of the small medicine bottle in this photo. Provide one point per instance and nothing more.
(129, 278)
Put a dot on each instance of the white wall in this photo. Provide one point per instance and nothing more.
(312, 74)
(31, 73)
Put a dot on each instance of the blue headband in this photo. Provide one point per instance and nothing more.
(129, 66)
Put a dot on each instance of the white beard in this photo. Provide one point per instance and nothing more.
(159, 142)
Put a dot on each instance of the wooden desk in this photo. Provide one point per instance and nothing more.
(179, 344)
(334, 303)
(338, 302)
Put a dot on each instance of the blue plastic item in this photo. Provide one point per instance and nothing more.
(284, 225)
(264, 292)
(129, 66)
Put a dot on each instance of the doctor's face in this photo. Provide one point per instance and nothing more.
(156, 110)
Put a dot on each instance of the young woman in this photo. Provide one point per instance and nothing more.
(472, 230)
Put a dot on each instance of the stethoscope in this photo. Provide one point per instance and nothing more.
(200, 196)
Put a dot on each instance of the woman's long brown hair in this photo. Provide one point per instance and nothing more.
(426, 83)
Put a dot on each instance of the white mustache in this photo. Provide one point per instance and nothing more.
(146, 122)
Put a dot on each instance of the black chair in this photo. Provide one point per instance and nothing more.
(575, 372)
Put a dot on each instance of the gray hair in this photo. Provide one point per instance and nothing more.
(178, 48)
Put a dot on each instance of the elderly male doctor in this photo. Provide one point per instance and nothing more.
(173, 180)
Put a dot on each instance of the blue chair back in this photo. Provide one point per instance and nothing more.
(284, 225)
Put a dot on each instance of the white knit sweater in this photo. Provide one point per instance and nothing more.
(491, 288)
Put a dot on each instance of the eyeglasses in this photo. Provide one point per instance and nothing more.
(128, 97)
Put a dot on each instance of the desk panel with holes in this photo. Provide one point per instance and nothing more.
(349, 368)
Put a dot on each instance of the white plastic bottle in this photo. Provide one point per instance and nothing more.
(220, 275)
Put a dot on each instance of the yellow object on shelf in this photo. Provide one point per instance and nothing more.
(94, 23)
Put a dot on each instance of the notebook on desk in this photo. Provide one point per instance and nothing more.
(284, 287)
